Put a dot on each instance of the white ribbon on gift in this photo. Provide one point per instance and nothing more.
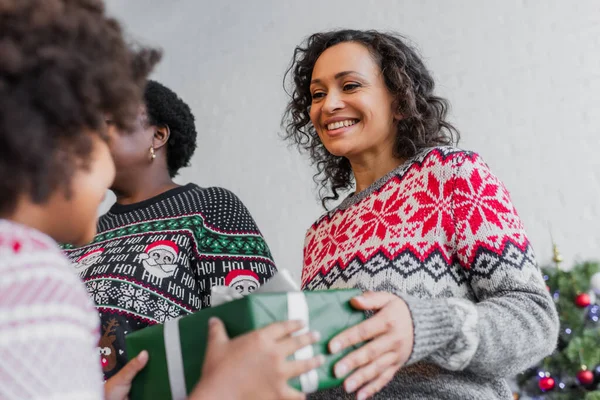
(174, 359)
(297, 308)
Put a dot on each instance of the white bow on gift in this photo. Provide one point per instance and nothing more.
(297, 306)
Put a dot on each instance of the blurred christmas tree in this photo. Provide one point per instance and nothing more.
(572, 372)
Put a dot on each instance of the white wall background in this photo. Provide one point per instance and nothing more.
(523, 77)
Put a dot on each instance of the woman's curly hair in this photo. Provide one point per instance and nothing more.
(64, 65)
(424, 123)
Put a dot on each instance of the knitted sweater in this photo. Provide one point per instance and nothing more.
(158, 259)
(441, 232)
(48, 325)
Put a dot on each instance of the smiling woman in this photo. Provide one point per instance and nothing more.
(395, 91)
(459, 303)
(351, 109)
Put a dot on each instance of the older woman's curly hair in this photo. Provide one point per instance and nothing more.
(64, 65)
(424, 123)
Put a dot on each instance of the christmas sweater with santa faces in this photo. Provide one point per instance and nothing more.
(441, 232)
(158, 259)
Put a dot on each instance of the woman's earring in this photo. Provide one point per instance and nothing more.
(152, 153)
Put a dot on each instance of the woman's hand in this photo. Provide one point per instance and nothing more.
(390, 337)
(118, 386)
(254, 365)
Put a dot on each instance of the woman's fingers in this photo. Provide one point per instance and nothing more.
(368, 353)
(366, 330)
(370, 371)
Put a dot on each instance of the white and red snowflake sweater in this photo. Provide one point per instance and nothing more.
(440, 231)
(49, 327)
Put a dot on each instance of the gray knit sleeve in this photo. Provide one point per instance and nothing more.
(511, 323)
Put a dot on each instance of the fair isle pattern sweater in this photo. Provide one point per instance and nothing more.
(441, 232)
(158, 259)
(48, 324)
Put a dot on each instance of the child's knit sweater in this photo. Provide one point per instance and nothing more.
(48, 324)
(158, 259)
(441, 232)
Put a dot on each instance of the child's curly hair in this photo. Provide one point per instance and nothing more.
(64, 65)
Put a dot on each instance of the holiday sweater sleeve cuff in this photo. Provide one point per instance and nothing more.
(445, 330)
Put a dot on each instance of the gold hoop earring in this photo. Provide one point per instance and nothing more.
(152, 153)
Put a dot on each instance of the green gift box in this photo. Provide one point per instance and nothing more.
(177, 348)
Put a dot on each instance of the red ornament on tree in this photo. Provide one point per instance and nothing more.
(585, 377)
(582, 300)
(546, 383)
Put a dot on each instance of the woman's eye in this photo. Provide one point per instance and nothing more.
(351, 86)
(318, 95)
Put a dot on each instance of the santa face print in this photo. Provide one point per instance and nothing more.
(154, 267)
(243, 281)
(88, 260)
(91, 260)
(246, 286)
(162, 256)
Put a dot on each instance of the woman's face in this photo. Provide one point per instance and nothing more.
(352, 108)
(130, 151)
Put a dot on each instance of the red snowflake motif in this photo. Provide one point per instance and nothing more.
(434, 207)
(478, 200)
(335, 237)
(309, 250)
(380, 216)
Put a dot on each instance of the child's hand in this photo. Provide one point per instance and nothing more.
(254, 365)
(118, 386)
